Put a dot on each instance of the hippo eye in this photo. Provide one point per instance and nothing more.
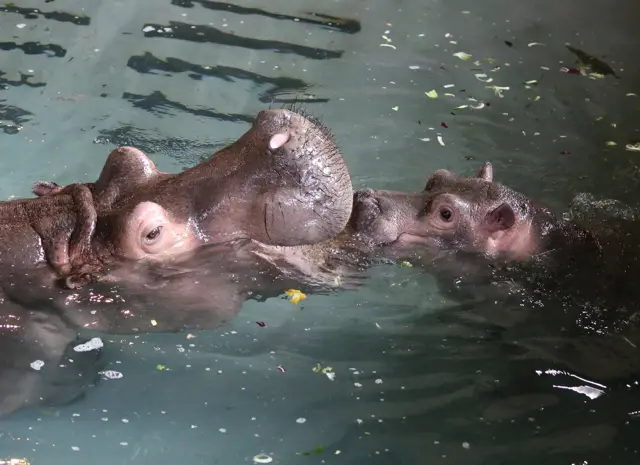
(446, 214)
(154, 233)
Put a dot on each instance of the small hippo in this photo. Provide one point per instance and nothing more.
(459, 213)
(283, 183)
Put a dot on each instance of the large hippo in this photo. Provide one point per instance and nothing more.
(282, 183)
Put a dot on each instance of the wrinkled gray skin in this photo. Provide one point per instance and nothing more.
(283, 183)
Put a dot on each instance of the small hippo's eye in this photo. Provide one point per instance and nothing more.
(446, 214)
(154, 233)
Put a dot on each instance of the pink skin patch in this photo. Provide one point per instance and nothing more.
(278, 140)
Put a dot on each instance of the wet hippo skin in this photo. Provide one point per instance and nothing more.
(283, 183)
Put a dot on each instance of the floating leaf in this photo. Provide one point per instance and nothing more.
(295, 296)
(483, 77)
(396, 108)
(462, 55)
(498, 90)
(432, 94)
(610, 143)
(160, 367)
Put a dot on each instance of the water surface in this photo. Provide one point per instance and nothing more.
(421, 376)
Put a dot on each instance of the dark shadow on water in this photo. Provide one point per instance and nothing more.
(150, 64)
(349, 26)
(35, 48)
(157, 104)
(209, 34)
(186, 152)
(24, 81)
(34, 13)
(12, 118)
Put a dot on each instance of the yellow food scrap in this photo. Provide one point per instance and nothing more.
(160, 367)
(610, 143)
(295, 296)
(406, 264)
(154, 323)
(396, 108)
(432, 94)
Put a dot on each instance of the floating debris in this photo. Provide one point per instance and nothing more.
(432, 94)
(111, 374)
(92, 344)
(280, 369)
(14, 462)
(262, 458)
(633, 147)
(414, 67)
(396, 108)
(462, 55)
(388, 45)
(564, 69)
(483, 77)
(261, 324)
(444, 125)
(610, 143)
(406, 264)
(295, 296)
(161, 367)
(440, 141)
(533, 44)
(498, 90)
(37, 365)
(154, 323)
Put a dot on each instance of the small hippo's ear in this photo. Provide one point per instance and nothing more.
(278, 140)
(500, 218)
(486, 172)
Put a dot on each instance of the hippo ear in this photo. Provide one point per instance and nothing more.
(278, 140)
(500, 218)
(486, 172)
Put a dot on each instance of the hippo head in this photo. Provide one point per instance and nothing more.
(452, 212)
(283, 183)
